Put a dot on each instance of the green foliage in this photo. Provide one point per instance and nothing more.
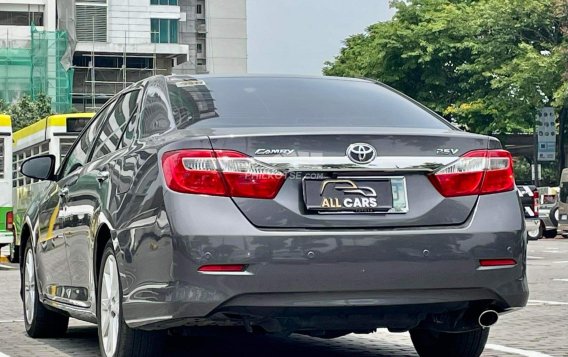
(27, 111)
(522, 169)
(486, 65)
(4, 108)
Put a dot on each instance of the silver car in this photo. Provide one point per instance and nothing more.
(319, 206)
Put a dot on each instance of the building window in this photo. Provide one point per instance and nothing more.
(18, 18)
(163, 2)
(199, 48)
(91, 20)
(164, 31)
(199, 9)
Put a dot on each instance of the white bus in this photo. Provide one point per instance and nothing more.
(6, 217)
(53, 135)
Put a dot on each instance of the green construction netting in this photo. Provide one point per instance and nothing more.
(15, 73)
(37, 70)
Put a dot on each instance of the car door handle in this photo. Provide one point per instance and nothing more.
(63, 192)
(102, 176)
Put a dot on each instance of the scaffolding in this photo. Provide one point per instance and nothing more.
(33, 67)
(48, 75)
(102, 75)
(95, 84)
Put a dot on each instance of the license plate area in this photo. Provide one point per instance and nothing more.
(356, 194)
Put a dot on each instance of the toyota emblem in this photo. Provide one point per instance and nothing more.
(361, 153)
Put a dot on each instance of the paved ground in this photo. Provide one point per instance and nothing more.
(540, 330)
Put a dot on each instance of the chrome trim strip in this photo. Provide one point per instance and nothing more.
(499, 267)
(342, 163)
(78, 303)
(74, 311)
(149, 320)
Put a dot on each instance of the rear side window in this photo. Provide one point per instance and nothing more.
(113, 127)
(78, 156)
(262, 101)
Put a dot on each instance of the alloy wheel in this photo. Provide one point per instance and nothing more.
(110, 306)
(29, 287)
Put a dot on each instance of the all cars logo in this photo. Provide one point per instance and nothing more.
(367, 199)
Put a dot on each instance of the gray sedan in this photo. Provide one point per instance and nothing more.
(319, 206)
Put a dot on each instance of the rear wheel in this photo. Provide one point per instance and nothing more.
(463, 344)
(39, 321)
(115, 337)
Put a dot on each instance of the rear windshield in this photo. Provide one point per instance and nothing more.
(300, 102)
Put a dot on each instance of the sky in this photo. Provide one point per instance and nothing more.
(298, 36)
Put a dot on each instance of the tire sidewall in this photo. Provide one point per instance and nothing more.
(29, 325)
(109, 250)
(552, 216)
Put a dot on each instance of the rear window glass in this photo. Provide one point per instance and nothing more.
(275, 102)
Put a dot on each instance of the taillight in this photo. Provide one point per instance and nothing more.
(9, 220)
(222, 268)
(476, 173)
(536, 203)
(497, 262)
(220, 173)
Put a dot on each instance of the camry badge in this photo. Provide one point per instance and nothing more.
(274, 151)
(361, 153)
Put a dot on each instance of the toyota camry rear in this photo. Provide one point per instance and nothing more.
(319, 206)
(326, 206)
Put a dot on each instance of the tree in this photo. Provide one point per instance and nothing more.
(487, 65)
(27, 111)
(4, 108)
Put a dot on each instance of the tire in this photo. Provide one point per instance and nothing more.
(39, 321)
(538, 234)
(553, 215)
(552, 233)
(127, 342)
(463, 344)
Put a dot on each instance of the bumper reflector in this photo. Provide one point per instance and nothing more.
(497, 262)
(223, 268)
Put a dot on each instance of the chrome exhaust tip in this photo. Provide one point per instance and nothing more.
(488, 318)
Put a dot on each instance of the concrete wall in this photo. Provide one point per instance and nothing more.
(133, 17)
(19, 36)
(226, 36)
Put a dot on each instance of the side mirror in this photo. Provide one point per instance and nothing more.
(39, 167)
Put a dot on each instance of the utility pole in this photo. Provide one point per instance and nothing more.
(535, 154)
(562, 118)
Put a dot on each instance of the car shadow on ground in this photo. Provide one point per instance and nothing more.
(84, 340)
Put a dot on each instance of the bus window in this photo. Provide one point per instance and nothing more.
(2, 154)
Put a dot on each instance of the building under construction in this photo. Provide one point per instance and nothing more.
(82, 52)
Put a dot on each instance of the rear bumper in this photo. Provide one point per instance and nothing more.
(431, 269)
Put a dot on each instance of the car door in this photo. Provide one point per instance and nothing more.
(89, 197)
(54, 223)
(51, 255)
